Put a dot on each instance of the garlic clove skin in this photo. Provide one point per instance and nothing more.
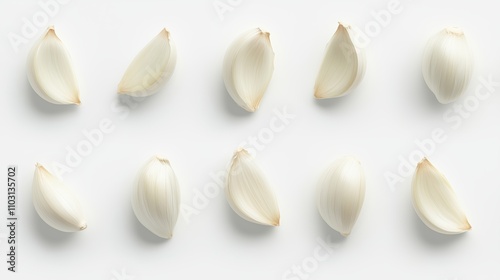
(248, 68)
(248, 192)
(343, 65)
(56, 203)
(156, 197)
(50, 70)
(448, 64)
(341, 194)
(435, 201)
(151, 68)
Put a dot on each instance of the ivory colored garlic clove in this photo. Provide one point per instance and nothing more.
(435, 201)
(151, 68)
(56, 203)
(341, 194)
(156, 197)
(249, 193)
(248, 68)
(448, 64)
(343, 65)
(50, 70)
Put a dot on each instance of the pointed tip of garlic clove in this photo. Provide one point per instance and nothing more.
(162, 159)
(83, 227)
(454, 30)
(165, 32)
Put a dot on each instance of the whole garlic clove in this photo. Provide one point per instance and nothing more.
(151, 68)
(435, 201)
(248, 192)
(341, 194)
(50, 70)
(248, 68)
(56, 203)
(448, 64)
(156, 197)
(343, 65)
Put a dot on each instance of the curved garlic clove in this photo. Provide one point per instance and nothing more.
(435, 201)
(50, 70)
(248, 192)
(343, 65)
(151, 68)
(447, 65)
(341, 194)
(156, 197)
(55, 203)
(248, 68)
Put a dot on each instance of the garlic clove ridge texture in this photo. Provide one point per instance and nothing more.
(249, 193)
(435, 201)
(156, 197)
(343, 65)
(151, 68)
(248, 67)
(56, 203)
(50, 70)
(341, 194)
(448, 64)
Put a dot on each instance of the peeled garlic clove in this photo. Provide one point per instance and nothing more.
(249, 193)
(156, 197)
(151, 68)
(56, 204)
(341, 194)
(50, 70)
(248, 68)
(343, 66)
(447, 65)
(435, 201)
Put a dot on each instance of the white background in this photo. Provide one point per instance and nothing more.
(195, 124)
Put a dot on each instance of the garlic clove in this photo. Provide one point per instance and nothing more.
(151, 68)
(341, 194)
(343, 65)
(248, 192)
(156, 197)
(56, 203)
(248, 68)
(435, 201)
(50, 70)
(447, 65)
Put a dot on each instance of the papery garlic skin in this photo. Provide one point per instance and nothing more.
(249, 193)
(156, 197)
(50, 70)
(448, 64)
(248, 68)
(343, 65)
(151, 68)
(341, 194)
(56, 203)
(435, 201)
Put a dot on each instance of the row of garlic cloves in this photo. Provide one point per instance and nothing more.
(249, 65)
(156, 197)
(52, 75)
